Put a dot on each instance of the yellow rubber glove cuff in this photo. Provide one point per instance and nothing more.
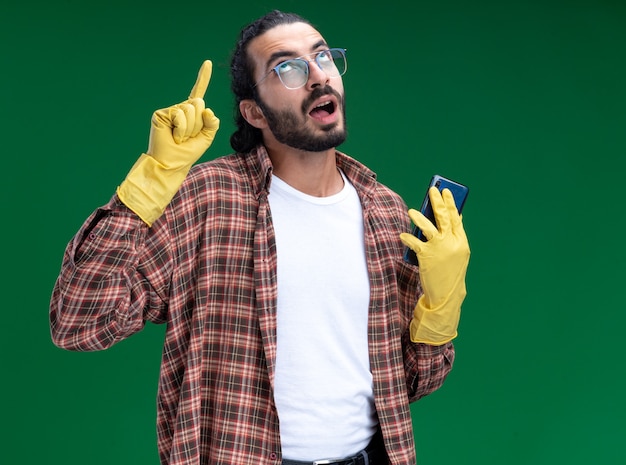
(149, 188)
(436, 326)
(443, 261)
(179, 135)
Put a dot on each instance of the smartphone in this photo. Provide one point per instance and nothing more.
(459, 192)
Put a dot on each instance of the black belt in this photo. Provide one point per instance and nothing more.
(373, 454)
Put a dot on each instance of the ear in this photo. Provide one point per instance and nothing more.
(252, 113)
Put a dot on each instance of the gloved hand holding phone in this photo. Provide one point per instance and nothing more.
(443, 261)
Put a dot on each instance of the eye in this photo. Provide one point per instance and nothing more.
(324, 57)
(291, 66)
(285, 66)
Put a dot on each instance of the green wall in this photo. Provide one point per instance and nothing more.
(523, 101)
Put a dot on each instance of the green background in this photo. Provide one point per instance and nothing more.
(523, 101)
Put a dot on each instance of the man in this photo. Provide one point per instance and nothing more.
(296, 334)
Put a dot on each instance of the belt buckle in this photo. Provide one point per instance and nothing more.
(327, 461)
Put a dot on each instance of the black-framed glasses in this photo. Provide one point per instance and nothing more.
(294, 73)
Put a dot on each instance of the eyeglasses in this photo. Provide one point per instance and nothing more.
(294, 73)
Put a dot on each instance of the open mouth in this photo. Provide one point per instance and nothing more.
(323, 110)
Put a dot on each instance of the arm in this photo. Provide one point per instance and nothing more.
(443, 259)
(117, 269)
(114, 277)
(426, 366)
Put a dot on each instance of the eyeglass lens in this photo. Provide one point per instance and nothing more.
(295, 73)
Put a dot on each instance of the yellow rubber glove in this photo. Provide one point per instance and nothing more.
(443, 261)
(179, 135)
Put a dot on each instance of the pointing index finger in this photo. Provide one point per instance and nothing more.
(202, 83)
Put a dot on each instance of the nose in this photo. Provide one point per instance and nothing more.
(317, 76)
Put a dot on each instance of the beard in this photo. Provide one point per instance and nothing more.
(290, 129)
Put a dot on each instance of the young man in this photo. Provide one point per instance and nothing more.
(295, 334)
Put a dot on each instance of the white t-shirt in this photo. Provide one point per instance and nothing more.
(323, 383)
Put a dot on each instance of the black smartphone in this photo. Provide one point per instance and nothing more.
(459, 192)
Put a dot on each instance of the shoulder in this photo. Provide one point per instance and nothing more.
(218, 188)
(369, 187)
(226, 168)
(388, 198)
(240, 171)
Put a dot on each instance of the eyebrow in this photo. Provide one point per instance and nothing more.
(286, 53)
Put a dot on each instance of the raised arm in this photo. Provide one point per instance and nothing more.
(117, 269)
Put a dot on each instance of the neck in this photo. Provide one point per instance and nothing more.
(313, 173)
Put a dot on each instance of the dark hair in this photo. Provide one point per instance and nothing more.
(246, 136)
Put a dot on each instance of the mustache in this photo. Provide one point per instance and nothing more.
(320, 92)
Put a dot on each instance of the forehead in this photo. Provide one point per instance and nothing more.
(286, 40)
